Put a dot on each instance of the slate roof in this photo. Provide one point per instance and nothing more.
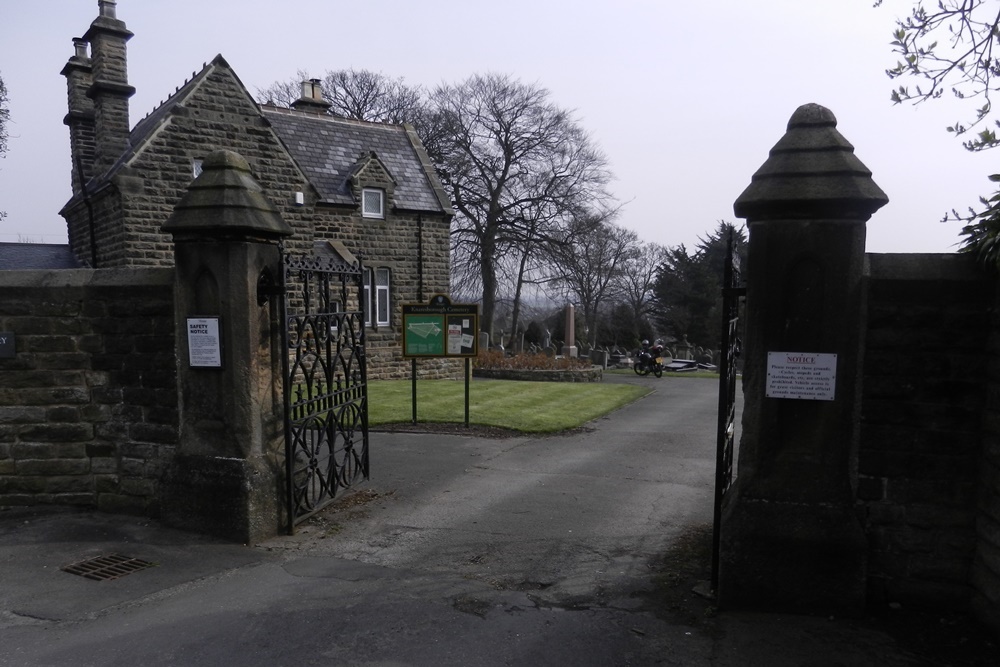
(22, 256)
(327, 149)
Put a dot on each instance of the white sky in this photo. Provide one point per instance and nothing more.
(685, 98)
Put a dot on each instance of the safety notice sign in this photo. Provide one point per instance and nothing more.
(810, 376)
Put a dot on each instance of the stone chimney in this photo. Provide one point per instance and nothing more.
(312, 98)
(109, 90)
(80, 118)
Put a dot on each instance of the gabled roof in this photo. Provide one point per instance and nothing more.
(325, 148)
(328, 149)
(27, 256)
(146, 128)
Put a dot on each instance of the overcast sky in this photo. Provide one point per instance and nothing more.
(684, 98)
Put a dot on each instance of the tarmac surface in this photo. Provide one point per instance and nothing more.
(580, 549)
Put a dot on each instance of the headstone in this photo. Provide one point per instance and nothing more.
(684, 349)
(569, 350)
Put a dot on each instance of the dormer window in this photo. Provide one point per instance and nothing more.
(372, 203)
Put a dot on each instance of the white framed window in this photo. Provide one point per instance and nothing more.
(196, 167)
(382, 297)
(378, 302)
(372, 203)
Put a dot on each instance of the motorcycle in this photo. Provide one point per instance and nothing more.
(649, 359)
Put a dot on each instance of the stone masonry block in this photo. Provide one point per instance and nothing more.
(51, 467)
(137, 486)
(21, 415)
(48, 450)
(22, 484)
(870, 488)
(73, 484)
(156, 433)
(58, 432)
(103, 465)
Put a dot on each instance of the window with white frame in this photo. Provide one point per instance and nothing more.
(372, 203)
(377, 302)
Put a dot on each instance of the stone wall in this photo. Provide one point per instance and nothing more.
(591, 374)
(925, 390)
(986, 561)
(88, 406)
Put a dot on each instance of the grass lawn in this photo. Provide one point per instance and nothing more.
(534, 407)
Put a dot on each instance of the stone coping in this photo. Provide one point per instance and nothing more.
(592, 374)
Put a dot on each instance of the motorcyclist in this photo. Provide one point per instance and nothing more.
(647, 358)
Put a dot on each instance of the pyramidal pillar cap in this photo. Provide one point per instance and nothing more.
(226, 200)
(811, 173)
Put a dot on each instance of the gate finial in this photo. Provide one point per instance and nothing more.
(226, 199)
(812, 172)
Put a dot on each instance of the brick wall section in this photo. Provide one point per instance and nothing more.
(88, 407)
(924, 392)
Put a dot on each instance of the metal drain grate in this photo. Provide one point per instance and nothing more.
(103, 568)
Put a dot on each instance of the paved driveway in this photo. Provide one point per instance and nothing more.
(564, 550)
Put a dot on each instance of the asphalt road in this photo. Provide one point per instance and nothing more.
(460, 551)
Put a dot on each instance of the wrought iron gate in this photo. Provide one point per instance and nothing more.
(326, 390)
(732, 293)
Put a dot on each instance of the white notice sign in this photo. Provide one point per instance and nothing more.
(204, 350)
(809, 376)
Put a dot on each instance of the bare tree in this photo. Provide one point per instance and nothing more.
(952, 48)
(366, 95)
(283, 93)
(514, 165)
(638, 279)
(355, 93)
(588, 261)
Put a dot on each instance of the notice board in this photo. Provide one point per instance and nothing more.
(440, 328)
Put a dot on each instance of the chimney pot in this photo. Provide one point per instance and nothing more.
(80, 44)
(107, 8)
(312, 98)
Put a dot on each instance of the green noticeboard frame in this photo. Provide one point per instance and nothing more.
(440, 328)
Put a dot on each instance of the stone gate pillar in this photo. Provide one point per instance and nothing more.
(227, 476)
(791, 539)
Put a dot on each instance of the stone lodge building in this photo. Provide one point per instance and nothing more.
(359, 189)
